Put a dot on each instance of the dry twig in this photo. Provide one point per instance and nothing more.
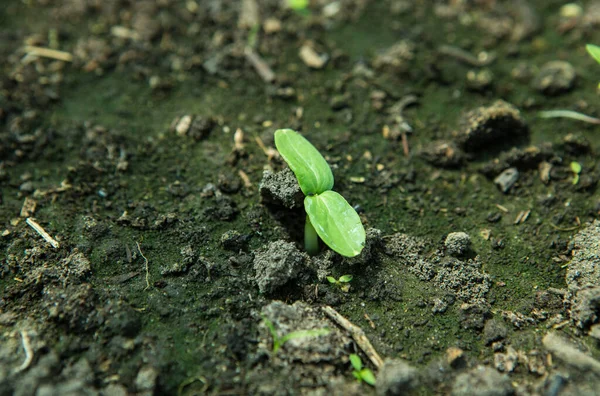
(28, 351)
(357, 334)
(146, 264)
(38, 228)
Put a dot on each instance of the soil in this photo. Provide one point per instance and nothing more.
(151, 236)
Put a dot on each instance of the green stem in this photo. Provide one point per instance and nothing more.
(311, 239)
(569, 114)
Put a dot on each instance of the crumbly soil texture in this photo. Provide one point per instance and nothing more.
(151, 236)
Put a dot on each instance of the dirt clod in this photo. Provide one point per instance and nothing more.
(486, 126)
(277, 264)
(555, 77)
(482, 381)
(457, 243)
(396, 377)
(281, 189)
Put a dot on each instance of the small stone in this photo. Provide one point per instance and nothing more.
(479, 80)
(457, 243)
(146, 379)
(396, 377)
(555, 77)
(234, 241)
(506, 362)
(443, 154)
(494, 330)
(473, 316)
(311, 58)
(397, 59)
(568, 353)
(544, 168)
(115, 390)
(482, 381)
(183, 125)
(26, 187)
(507, 179)
(439, 306)
(339, 102)
(455, 357)
(271, 25)
(595, 331)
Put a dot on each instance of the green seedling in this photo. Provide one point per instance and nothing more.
(279, 341)
(594, 51)
(299, 6)
(576, 169)
(329, 216)
(343, 282)
(361, 374)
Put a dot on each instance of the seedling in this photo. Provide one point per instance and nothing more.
(329, 215)
(594, 51)
(279, 341)
(576, 169)
(361, 374)
(299, 6)
(343, 282)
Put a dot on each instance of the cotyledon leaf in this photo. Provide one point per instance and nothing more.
(312, 171)
(594, 51)
(336, 222)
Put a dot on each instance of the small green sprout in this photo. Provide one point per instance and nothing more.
(361, 374)
(279, 341)
(594, 51)
(329, 216)
(343, 282)
(298, 5)
(576, 169)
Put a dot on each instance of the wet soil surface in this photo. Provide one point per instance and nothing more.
(151, 237)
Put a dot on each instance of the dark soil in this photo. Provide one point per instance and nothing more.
(138, 135)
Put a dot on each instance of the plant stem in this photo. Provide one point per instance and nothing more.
(568, 114)
(311, 239)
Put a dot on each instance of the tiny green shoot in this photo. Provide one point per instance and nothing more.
(574, 115)
(576, 169)
(279, 341)
(298, 5)
(361, 374)
(329, 216)
(594, 51)
(343, 282)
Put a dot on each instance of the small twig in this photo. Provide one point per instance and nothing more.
(261, 67)
(49, 53)
(569, 114)
(563, 229)
(28, 351)
(357, 334)
(245, 179)
(405, 148)
(38, 228)
(483, 59)
(146, 264)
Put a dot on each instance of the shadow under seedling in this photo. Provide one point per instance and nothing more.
(329, 216)
(279, 341)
